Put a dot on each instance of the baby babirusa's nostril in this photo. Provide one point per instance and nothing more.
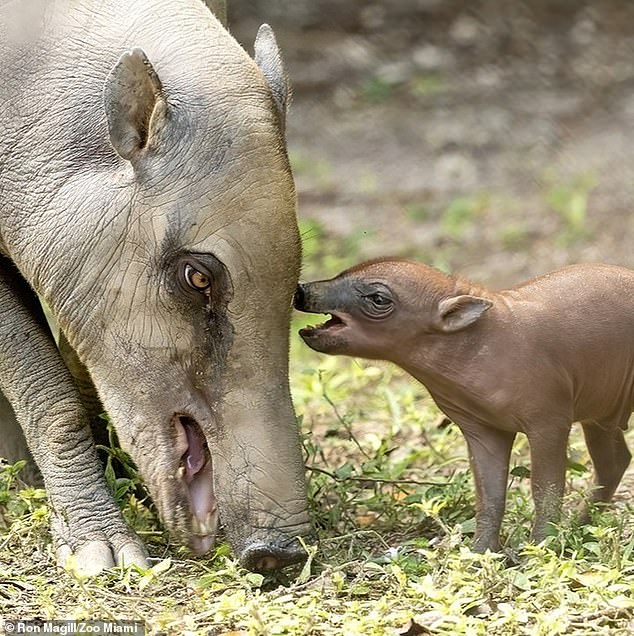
(298, 299)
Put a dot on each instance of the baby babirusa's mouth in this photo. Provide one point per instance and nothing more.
(333, 323)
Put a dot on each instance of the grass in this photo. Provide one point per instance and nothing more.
(462, 213)
(379, 89)
(392, 499)
(570, 202)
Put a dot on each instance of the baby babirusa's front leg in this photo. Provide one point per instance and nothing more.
(489, 453)
(548, 474)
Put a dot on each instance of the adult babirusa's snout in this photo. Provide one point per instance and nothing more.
(266, 552)
(259, 469)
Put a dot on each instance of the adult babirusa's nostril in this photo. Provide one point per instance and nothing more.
(266, 564)
(264, 557)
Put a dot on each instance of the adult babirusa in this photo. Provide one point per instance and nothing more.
(146, 197)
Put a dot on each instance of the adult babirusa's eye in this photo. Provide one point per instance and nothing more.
(197, 280)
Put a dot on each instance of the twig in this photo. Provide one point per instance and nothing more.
(339, 417)
(612, 613)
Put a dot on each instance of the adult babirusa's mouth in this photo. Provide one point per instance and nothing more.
(195, 473)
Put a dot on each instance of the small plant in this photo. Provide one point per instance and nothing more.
(317, 170)
(127, 487)
(423, 86)
(570, 201)
(17, 499)
(513, 236)
(462, 212)
(121, 473)
(327, 256)
(377, 90)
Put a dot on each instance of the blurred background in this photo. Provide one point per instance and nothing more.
(488, 137)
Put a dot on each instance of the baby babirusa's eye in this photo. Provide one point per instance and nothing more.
(380, 300)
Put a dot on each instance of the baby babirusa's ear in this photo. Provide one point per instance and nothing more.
(458, 312)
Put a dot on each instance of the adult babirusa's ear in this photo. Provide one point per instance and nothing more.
(269, 59)
(458, 312)
(134, 103)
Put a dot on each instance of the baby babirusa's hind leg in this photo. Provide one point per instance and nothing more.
(610, 457)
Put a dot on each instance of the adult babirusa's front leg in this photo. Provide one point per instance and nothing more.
(489, 454)
(87, 392)
(87, 522)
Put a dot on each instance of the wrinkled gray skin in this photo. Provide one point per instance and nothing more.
(146, 197)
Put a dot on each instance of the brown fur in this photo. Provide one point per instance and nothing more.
(534, 359)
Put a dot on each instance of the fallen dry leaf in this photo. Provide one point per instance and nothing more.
(412, 628)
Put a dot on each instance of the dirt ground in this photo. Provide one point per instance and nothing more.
(489, 137)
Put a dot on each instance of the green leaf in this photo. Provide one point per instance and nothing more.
(576, 468)
(254, 579)
(519, 579)
(593, 547)
(343, 472)
(360, 590)
(468, 526)
(162, 566)
(520, 471)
